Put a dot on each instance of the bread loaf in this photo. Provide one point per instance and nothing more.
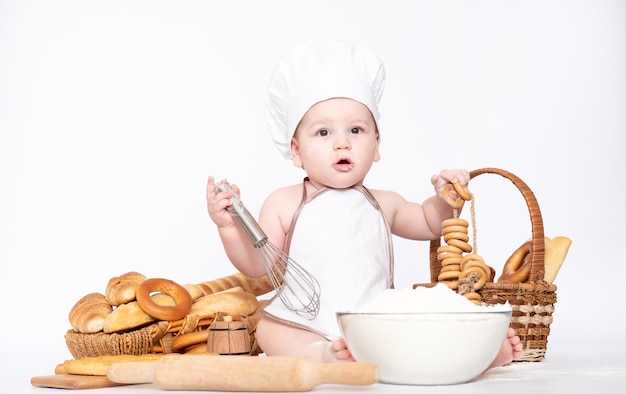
(233, 303)
(122, 289)
(89, 313)
(97, 366)
(256, 286)
(130, 315)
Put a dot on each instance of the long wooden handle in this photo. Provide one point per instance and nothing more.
(242, 373)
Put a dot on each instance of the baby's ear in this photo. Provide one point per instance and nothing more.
(295, 152)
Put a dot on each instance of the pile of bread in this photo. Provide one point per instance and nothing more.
(121, 308)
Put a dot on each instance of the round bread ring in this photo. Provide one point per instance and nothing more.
(464, 246)
(455, 222)
(478, 270)
(452, 284)
(517, 267)
(473, 259)
(458, 203)
(473, 297)
(162, 312)
(462, 191)
(456, 235)
(448, 275)
(443, 256)
(449, 248)
(453, 229)
(451, 267)
(451, 261)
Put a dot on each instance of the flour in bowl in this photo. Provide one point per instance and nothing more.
(437, 299)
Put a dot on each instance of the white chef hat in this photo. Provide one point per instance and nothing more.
(318, 70)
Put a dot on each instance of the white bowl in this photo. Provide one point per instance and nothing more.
(426, 348)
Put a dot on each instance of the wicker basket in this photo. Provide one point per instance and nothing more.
(187, 335)
(533, 301)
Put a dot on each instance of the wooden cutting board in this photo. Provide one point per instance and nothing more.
(73, 382)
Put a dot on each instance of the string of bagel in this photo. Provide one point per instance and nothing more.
(462, 268)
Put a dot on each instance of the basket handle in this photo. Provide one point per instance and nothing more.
(537, 249)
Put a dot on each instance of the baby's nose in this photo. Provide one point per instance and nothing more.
(341, 142)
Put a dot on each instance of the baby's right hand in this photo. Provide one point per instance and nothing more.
(217, 203)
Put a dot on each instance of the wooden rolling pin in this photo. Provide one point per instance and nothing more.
(241, 373)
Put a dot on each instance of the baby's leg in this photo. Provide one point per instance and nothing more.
(511, 349)
(280, 339)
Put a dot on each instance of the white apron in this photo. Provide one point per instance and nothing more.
(342, 238)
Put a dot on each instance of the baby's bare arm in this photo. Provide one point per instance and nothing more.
(420, 221)
(238, 247)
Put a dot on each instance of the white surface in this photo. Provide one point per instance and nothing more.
(113, 114)
(583, 366)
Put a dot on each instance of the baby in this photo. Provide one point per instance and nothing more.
(323, 116)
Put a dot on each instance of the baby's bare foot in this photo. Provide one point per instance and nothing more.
(510, 350)
(337, 351)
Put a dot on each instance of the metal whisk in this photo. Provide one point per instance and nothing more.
(296, 287)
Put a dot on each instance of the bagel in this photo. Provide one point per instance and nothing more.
(453, 229)
(450, 267)
(455, 260)
(449, 248)
(448, 275)
(455, 222)
(517, 267)
(482, 276)
(458, 203)
(182, 299)
(473, 297)
(456, 235)
(464, 246)
(473, 259)
(462, 191)
(443, 256)
(452, 284)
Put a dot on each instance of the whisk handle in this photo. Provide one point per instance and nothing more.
(243, 217)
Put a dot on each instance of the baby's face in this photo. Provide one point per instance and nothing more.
(336, 143)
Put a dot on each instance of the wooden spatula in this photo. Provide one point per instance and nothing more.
(242, 373)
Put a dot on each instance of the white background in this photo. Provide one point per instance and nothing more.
(113, 114)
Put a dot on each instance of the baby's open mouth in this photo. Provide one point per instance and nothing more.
(344, 161)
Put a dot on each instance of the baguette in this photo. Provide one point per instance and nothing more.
(256, 286)
(97, 366)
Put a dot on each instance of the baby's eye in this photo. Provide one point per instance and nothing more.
(355, 130)
(322, 133)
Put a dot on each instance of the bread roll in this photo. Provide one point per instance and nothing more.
(555, 256)
(89, 313)
(233, 303)
(130, 315)
(122, 289)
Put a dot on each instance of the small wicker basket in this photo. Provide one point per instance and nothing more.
(533, 301)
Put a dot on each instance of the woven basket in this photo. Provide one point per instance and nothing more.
(533, 301)
(187, 335)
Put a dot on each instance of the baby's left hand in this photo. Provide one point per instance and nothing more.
(449, 176)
